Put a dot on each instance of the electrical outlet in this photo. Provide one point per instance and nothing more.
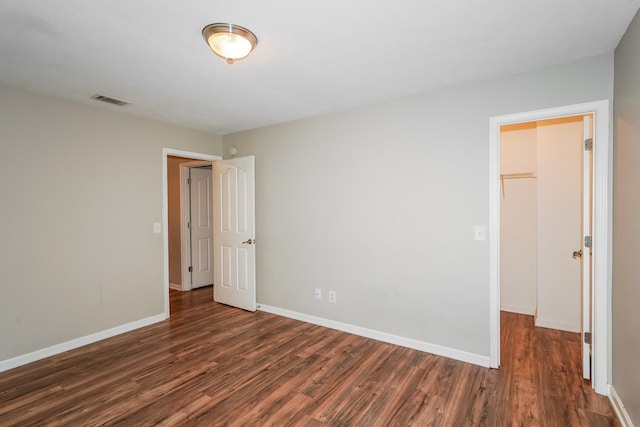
(332, 296)
(318, 293)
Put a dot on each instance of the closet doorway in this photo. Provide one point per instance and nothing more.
(545, 210)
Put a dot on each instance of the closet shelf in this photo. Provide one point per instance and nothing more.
(522, 175)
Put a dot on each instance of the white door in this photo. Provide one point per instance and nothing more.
(587, 258)
(234, 250)
(201, 227)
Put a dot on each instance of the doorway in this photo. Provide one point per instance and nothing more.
(189, 223)
(601, 233)
(545, 206)
(168, 156)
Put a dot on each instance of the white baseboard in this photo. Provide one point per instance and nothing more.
(175, 286)
(618, 408)
(14, 362)
(438, 350)
(518, 309)
(542, 323)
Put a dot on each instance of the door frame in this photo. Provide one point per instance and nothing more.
(185, 216)
(166, 152)
(602, 180)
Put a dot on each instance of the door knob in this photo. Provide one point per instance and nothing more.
(249, 242)
(577, 254)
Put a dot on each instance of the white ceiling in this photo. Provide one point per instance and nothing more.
(313, 57)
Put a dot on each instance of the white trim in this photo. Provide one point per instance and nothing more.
(438, 350)
(586, 303)
(185, 236)
(165, 214)
(602, 260)
(601, 232)
(619, 409)
(175, 286)
(543, 323)
(14, 362)
(518, 309)
(494, 243)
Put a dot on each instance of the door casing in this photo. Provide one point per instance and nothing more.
(586, 261)
(601, 285)
(200, 231)
(185, 214)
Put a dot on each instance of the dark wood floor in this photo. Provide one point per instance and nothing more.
(214, 365)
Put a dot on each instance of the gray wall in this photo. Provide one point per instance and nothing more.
(81, 188)
(626, 227)
(380, 203)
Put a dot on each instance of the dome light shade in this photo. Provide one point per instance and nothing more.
(228, 41)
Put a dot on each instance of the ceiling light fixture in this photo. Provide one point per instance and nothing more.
(228, 41)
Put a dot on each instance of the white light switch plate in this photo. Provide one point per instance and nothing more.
(480, 233)
(157, 228)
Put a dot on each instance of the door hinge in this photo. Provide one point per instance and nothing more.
(588, 241)
(588, 144)
(188, 225)
(587, 337)
(189, 181)
(190, 269)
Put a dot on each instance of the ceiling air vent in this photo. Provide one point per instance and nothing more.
(109, 100)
